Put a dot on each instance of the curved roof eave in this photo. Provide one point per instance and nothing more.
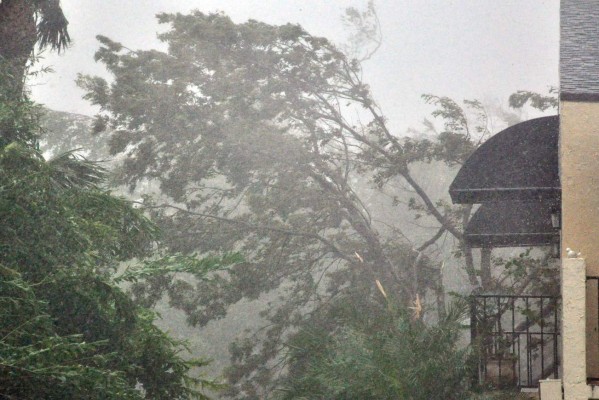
(513, 224)
(518, 163)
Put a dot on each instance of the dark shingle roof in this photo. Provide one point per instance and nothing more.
(518, 163)
(513, 224)
(579, 50)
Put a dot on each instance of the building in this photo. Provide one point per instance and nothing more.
(579, 176)
(547, 193)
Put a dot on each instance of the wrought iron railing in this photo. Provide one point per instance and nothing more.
(516, 338)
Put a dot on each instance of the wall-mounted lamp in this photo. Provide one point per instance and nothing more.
(555, 218)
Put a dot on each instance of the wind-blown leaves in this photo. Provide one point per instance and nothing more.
(52, 26)
(391, 356)
(67, 330)
(536, 100)
(35, 362)
(255, 136)
(72, 171)
(200, 267)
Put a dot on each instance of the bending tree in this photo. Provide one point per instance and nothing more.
(256, 136)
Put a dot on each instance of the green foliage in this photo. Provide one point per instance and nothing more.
(199, 267)
(56, 217)
(536, 100)
(464, 129)
(536, 274)
(67, 330)
(52, 25)
(391, 356)
(36, 362)
(19, 119)
(254, 136)
(41, 357)
(228, 124)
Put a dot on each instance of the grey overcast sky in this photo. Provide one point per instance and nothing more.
(465, 49)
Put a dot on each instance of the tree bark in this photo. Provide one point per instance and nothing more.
(470, 270)
(18, 35)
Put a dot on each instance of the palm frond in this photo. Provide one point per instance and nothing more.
(70, 170)
(52, 26)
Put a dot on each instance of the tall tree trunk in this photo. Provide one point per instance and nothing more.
(18, 35)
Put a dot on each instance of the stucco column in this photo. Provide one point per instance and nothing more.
(574, 329)
(550, 389)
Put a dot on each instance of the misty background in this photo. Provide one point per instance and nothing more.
(466, 49)
(315, 216)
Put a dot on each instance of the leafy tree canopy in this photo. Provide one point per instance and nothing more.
(67, 330)
(256, 137)
(394, 356)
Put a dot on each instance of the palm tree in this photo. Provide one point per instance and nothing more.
(23, 23)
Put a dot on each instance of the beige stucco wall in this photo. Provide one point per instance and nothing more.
(579, 163)
(574, 372)
(550, 389)
(579, 173)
